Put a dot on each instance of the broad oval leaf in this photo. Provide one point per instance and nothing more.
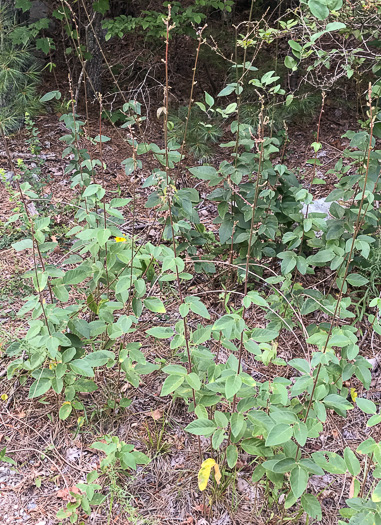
(201, 427)
(171, 384)
(279, 434)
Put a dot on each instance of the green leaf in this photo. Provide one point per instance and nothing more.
(65, 410)
(264, 335)
(290, 63)
(356, 279)
(232, 455)
(154, 305)
(335, 26)
(25, 244)
(61, 293)
(184, 309)
(376, 495)
(282, 466)
(321, 257)
(43, 44)
(25, 5)
(101, 6)
(218, 438)
(367, 447)
(220, 419)
(92, 304)
(75, 276)
(193, 381)
(301, 433)
(197, 307)
(236, 423)
(176, 370)
(298, 481)
(50, 96)
(334, 465)
(258, 473)
(289, 98)
(366, 405)
(102, 138)
(171, 384)
(81, 367)
(311, 506)
(39, 387)
(352, 463)
(279, 434)
(201, 427)
(228, 90)
(5, 458)
(140, 287)
(318, 8)
(204, 172)
(103, 236)
(232, 385)
(226, 230)
(201, 335)
(98, 358)
(257, 299)
(160, 332)
(92, 189)
(209, 99)
(336, 401)
(289, 260)
(374, 420)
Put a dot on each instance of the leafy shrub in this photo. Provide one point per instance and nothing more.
(265, 238)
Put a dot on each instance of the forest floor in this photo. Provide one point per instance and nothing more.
(53, 456)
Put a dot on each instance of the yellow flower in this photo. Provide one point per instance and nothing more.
(4, 397)
(120, 239)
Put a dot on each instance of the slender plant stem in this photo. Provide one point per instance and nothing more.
(30, 220)
(355, 234)
(190, 103)
(169, 202)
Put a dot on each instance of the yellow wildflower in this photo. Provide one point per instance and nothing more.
(120, 239)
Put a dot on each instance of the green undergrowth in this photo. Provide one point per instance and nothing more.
(114, 296)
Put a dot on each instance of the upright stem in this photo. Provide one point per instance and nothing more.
(103, 180)
(200, 42)
(355, 234)
(254, 206)
(169, 202)
(35, 242)
(311, 181)
(76, 138)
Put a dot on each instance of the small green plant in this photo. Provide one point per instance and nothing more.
(203, 131)
(120, 457)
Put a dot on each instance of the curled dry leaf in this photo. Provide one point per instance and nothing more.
(204, 473)
(352, 488)
(201, 508)
(156, 414)
(65, 493)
